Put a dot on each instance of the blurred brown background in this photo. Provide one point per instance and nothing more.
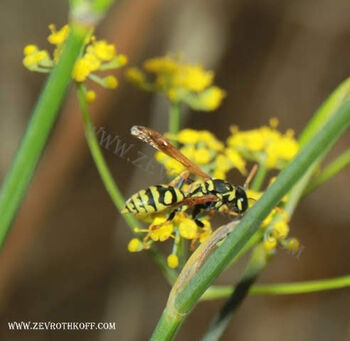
(66, 258)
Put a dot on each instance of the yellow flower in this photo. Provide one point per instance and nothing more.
(188, 229)
(280, 229)
(273, 122)
(202, 156)
(58, 37)
(84, 66)
(212, 98)
(110, 82)
(188, 136)
(92, 61)
(160, 230)
(102, 50)
(189, 151)
(134, 245)
(236, 160)
(36, 59)
(222, 163)
(95, 56)
(30, 49)
(180, 82)
(194, 78)
(173, 261)
(90, 96)
(161, 65)
(136, 76)
(211, 141)
(205, 231)
(81, 70)
(293, 245)
(219, 174)
(173, 166)
(265, 144)
(270, 243)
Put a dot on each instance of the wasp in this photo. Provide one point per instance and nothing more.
(210, 194)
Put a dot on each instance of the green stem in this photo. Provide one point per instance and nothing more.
(109, 182)
(43, 118)
(329, 172)
(185, 299)
(259, 177)
(174, 120)
(217, 292)
(328, 108)
(99, 160)
(256, 265)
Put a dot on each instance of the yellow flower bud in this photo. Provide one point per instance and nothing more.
(188, 229)
(90, 96)
(173, 261)
(134, 245)
(110, 82)
(30, 49)
(270, 243)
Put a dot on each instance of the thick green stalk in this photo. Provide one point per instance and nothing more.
(330, 171)
(328, 108)
(224, 291)
(185, 299)
(110, 184)
(38, 130)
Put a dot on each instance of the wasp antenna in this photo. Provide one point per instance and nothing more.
(251, 176)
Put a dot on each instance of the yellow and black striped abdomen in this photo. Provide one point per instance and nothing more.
(153, 199)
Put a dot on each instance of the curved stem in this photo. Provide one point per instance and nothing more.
(110, 184)
(330, 171)
(217, 292)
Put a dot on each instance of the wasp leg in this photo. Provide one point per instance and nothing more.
(172, 214)
(197, 209)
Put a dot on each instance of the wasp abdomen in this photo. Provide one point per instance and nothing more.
(153, 199)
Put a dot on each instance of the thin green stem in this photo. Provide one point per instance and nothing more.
(217, 292)
(109, 182)
(43, 118)
(330, 171)
(174, 120)
(259, 177)
(183, 301)
(99, 160)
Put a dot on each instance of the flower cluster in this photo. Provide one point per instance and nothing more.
(97, 55)
(180, 228)
(265, 145)
(275, 227)
(179, 82)
(204, 149)
(218, 158)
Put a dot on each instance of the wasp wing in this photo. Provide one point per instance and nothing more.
(160, 143)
